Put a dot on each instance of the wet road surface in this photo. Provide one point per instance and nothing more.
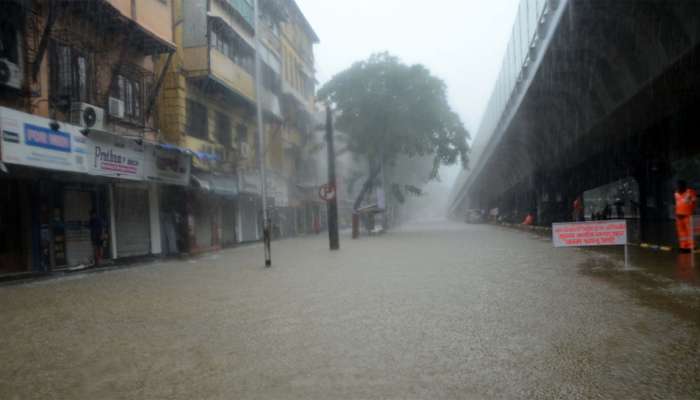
(432, 311)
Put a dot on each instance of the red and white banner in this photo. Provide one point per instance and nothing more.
(594, 233)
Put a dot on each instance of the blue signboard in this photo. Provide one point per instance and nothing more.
(47, 138)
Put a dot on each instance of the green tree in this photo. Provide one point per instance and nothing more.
(389, 109)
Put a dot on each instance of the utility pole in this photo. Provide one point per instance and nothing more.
(332, 203)
(267, 234)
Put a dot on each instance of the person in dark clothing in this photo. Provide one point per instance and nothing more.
(96, 236)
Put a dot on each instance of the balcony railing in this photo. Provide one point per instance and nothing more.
(221, 68)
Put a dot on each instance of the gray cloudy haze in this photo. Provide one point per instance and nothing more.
(461, 41)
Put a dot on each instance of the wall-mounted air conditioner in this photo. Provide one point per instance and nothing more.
(10, 74)
(87, 116)
(116, 107)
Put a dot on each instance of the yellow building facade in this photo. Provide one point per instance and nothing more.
(208, 102)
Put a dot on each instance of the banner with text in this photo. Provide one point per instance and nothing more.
(594, 233)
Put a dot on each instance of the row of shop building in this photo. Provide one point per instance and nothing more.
(144, 111)
(151, 199)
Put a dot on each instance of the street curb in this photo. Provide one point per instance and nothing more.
(655, 247)
(545, 229)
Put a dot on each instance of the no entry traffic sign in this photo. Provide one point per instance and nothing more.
(327, 192)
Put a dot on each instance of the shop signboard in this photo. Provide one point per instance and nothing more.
(224, 185)
(249, 182)
(114, 156)
(167, 166)
(31, 141)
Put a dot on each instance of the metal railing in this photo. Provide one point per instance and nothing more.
(524, 38)
(531, 23)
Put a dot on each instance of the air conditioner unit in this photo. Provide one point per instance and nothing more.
(245, 151)
(10, 74)
(87, 116)
(116, 107)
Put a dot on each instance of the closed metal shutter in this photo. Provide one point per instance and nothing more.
(228, 223)
(132, 221)
(76, 215)
(249, 219)
(202, 212)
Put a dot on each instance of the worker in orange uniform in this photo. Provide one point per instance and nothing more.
(529, 220)
(686, 199)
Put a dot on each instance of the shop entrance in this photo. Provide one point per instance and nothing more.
(14, 226)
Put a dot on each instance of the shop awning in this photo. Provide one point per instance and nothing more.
(203, 156)
(200, 182)
(172, 147)
(217, 184)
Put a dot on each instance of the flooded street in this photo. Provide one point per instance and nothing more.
(429, 311)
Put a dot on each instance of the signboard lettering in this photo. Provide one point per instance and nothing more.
(113, 156)
(598, 233)
(46, 138)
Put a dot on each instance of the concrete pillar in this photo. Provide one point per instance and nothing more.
(154, 216)
(112, 223)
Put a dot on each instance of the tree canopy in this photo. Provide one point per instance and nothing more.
(389, 109)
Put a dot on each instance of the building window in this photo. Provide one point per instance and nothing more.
(197, 121)
(71, 76)
(242, 133)
(9, 39)
(223, 129)
(233, 47)
(308, 85)
(270, 79)
(129, 90)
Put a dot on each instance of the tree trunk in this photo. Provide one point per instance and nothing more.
(374, 172)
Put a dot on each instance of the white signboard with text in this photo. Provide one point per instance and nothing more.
(249, 182)
(594, 233)
(117, 157)
(29, 140)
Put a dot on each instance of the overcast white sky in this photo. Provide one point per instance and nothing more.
(461, 41)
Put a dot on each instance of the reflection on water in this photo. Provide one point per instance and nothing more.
(662, 280)
(685, 268)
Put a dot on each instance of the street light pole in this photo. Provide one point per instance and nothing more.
(333, 235)
(267, 234)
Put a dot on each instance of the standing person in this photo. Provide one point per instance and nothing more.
(686, 199)
(607, 212)
(578, 210)
(620, 207)
(96, 236)
(317, 224)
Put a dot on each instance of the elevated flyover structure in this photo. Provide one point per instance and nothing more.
(595, 99)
